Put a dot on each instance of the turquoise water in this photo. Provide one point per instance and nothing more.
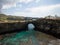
(30, 37)
(20, 38)
(25, 37)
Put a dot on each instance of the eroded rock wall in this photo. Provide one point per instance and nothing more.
(48, 26)
(11, 27)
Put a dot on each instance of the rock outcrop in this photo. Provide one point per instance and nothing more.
(12, 27)
(48, 26)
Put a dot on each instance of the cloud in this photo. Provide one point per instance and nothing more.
(28, 1)
(40, 11)
(26, 14)
(0, 8)
(6, 4)
(42, 8)
(37, 1)
(25, 1)
(31, 11)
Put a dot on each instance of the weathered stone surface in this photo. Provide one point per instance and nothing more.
(11, 27)
(48, 26)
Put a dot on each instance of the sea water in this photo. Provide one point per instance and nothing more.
(22, 38)
(26, 38)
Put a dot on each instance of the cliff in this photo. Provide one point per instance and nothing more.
(48, 26)
(12, 27)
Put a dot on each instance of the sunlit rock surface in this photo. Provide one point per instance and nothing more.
(28, 38)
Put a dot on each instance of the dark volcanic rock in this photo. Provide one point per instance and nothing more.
(12, 27)
(48, 26)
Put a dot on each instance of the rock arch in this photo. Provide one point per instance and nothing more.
(30, 23)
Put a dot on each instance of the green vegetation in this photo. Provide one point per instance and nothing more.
(5, 18)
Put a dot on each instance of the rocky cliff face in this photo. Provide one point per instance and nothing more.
(11, 27)
(48, 26)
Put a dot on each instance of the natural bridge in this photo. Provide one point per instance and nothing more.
(48, 26)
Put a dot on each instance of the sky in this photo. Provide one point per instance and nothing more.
(30, 8)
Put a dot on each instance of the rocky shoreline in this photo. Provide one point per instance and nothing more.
(48, 26)
(41, 38)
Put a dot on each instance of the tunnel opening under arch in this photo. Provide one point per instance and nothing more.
(30, 26)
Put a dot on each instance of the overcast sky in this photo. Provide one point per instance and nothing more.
(30, 8)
